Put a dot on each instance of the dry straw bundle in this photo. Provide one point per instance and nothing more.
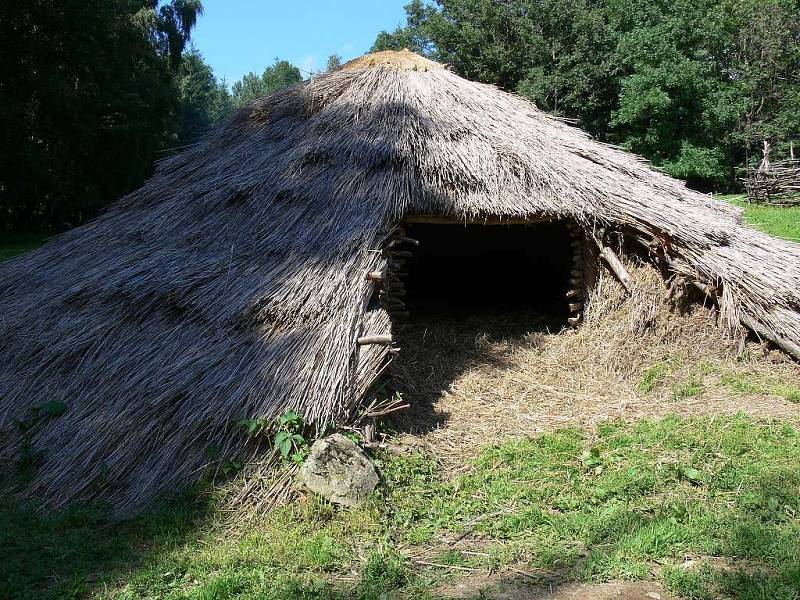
(480, 380)
(232, 285)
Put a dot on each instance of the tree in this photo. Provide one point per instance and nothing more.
(413, 36)
(204, 101)
(87, 98)
(334, 62)
(762, 96)
(277, 76)
(689, 84)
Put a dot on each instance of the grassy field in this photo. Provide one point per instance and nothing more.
(707, 506)
(779, 221)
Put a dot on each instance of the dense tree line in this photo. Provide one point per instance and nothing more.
(693, 85)
(86, 99)
(92, 93)
(204, 101)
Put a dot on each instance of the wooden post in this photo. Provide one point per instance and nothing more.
(367, 340)
(576, 283)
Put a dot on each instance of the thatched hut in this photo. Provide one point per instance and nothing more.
(259, 270)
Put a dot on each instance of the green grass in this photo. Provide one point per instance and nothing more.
(625, 501)
(12, 244)
(759, 383)
(657, 373)
(779, 221)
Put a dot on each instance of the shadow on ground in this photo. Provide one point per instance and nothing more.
(72, 553)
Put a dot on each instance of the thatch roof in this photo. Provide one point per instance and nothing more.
(232, 284)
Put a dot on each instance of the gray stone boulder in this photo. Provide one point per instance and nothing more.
(339, 470)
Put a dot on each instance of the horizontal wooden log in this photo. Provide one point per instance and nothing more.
(368, 340)
(376, 276)
(459, 220)
(406, 240)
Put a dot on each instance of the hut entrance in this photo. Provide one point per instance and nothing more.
(467, 271)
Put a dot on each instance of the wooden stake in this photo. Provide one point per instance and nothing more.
(367, 340)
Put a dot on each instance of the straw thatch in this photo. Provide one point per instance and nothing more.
(232, 285)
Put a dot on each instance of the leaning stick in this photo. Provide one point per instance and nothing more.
(614, 264)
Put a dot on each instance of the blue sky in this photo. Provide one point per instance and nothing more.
(239, 36)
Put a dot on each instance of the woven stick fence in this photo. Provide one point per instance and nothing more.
(777, 184)
(237, 282)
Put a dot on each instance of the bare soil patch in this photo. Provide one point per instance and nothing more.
(511, 586)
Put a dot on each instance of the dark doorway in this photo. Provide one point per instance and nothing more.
(470, 270)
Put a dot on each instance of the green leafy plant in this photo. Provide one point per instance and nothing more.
(289, 439)
(252, 426)
(231, 466)
(288, 436)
